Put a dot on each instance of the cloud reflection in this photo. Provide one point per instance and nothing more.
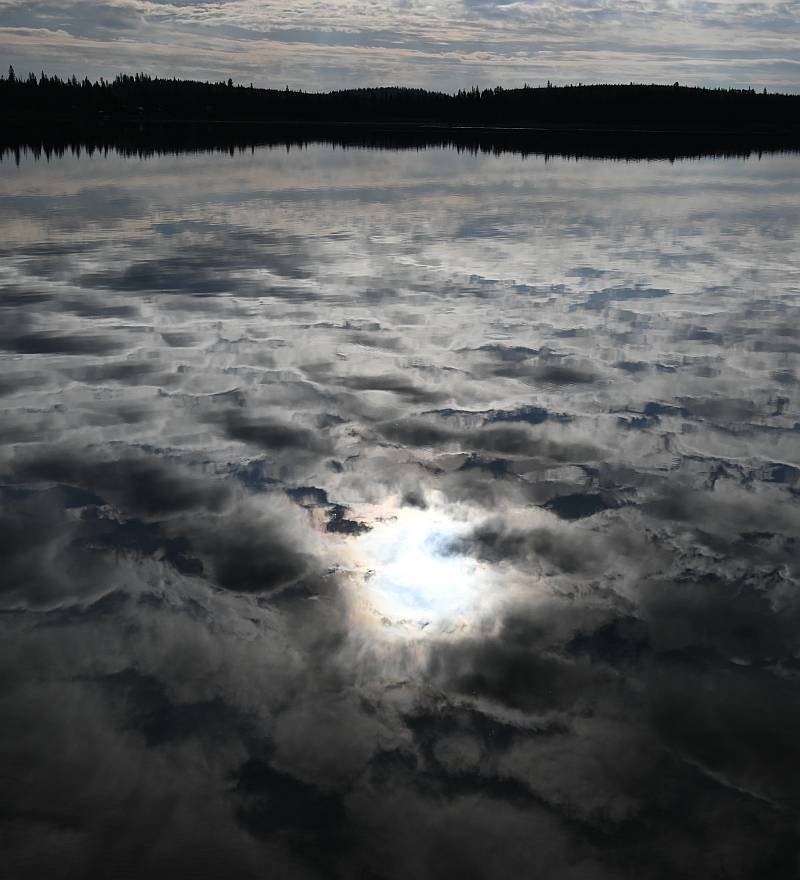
(399, 514)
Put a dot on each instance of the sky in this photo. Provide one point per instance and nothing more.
(445, 44)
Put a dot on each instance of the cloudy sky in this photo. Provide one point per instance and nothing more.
(442, 44)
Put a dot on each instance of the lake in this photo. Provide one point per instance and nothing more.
(400, 513)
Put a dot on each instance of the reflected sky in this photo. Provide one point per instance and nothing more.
(391, 514)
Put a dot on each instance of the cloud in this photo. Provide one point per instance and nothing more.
(41, 554)
(451, 45)
(249, 550)
(396, 385)
(569, 551)
(274, 435)
(149, 487)
(58, 343)
(196, 263)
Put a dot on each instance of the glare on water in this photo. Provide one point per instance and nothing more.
(410, 573)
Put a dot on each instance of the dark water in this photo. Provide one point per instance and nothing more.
(376, 514)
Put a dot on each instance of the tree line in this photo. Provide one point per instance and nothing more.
(44, 99)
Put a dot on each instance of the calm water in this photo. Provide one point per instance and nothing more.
(385, 514)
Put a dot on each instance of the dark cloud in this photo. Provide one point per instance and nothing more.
(562, 374)
(721, 410)
(125, 372)
(179, 339)
(519, 440)
(181, 275)
(46, 342)
(395, 384)
(717, 520)
(515, 674)
(567, 551)
(146, 709)
(545, 366)
(139, 485)
(89, 204)
(623, 640)
(275, 435)
(42, 557)
(14, 382)
(510, 353)
(105, 19)
(207, 265)
(272, 801)
(137, 537)
(417, 433)
(502, 437)
(246, 550)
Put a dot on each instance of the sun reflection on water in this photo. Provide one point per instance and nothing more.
(411, 574)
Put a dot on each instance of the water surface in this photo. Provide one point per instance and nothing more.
(389, 514)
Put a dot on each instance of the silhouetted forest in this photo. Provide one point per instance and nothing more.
(47, 99)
